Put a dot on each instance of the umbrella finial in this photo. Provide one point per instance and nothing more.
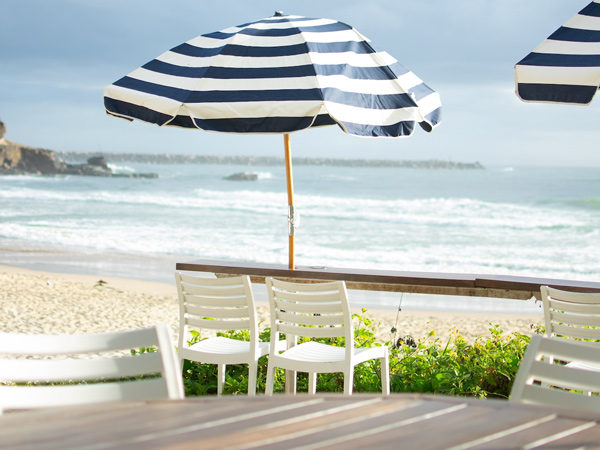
(278, 14)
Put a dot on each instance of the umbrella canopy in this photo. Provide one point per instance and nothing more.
(278, 75)
(565, 68)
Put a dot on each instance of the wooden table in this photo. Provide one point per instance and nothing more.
(302, 422)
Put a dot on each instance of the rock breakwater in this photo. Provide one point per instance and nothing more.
(172, 158)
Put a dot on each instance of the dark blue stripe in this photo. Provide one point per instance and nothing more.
(270, 32)
(369, 101)
(340, 47)
(230, 73)
(575, 35)
(172, 69)
(593, 9)
(398, 129)
(184, 95)
(420, 91)
(398, 69)
(356, 73)
(239, 125)
(255, 125)
(219, 35)
(197, 52)
(432, 119)
(323, 120)
(558, 93)
(281, 32)
(559, 60)
(285, 50)
(120, 108)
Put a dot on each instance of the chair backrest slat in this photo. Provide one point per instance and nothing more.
(83, 358)
(309, 308)
(217, 324)
(544, 374)
(329, 320)
(55, 370)
(217, 302)
(575, 332)
(218, 313)
(221, 291)
(312, 332)
(568, 318)
(312, 296)
(69, 344)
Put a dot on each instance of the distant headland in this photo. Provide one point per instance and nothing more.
(173, 158)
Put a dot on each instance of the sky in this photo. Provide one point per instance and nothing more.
(57, 56)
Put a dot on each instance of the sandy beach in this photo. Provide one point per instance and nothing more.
(45, 302)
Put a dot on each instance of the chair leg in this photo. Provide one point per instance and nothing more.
(270, 379)
(220, 378)
(312, 383)
(348, 381)
(385, 376)
(252, 375)
(290, 382)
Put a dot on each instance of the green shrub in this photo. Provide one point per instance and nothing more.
(487, 367)
(484, 368)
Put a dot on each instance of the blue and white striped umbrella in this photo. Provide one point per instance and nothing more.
(278, 75)
(565, 68)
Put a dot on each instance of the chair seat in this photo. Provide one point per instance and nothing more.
(316, 352)
(224, 346)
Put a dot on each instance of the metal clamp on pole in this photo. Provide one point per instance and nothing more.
(291, 220)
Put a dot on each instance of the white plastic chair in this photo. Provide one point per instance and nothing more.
(219, 304)
(316, 310)
(547, 383)
(571, 315)
(87, 364)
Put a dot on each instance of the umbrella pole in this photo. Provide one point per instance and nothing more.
(290, 193)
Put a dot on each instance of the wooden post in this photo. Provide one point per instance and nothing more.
(290, 193)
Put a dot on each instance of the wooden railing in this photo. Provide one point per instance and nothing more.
(470, 285)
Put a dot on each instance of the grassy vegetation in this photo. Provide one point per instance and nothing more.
(484, 368)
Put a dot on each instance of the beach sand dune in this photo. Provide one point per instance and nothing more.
(42, 302)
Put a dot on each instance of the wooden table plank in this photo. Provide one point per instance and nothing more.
(557, 432)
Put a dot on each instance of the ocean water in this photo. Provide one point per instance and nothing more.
(526, 221)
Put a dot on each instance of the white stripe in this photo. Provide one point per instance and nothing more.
(293, 22)
(212, 84)
(333, 36)
(207, 42)
(374, 87)
(354, 114)
(583, 76)
(569, 48)
(154, 102)
(584, 23)
(254, 109)
(352, 59)
(429, 104)
(234, 61)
